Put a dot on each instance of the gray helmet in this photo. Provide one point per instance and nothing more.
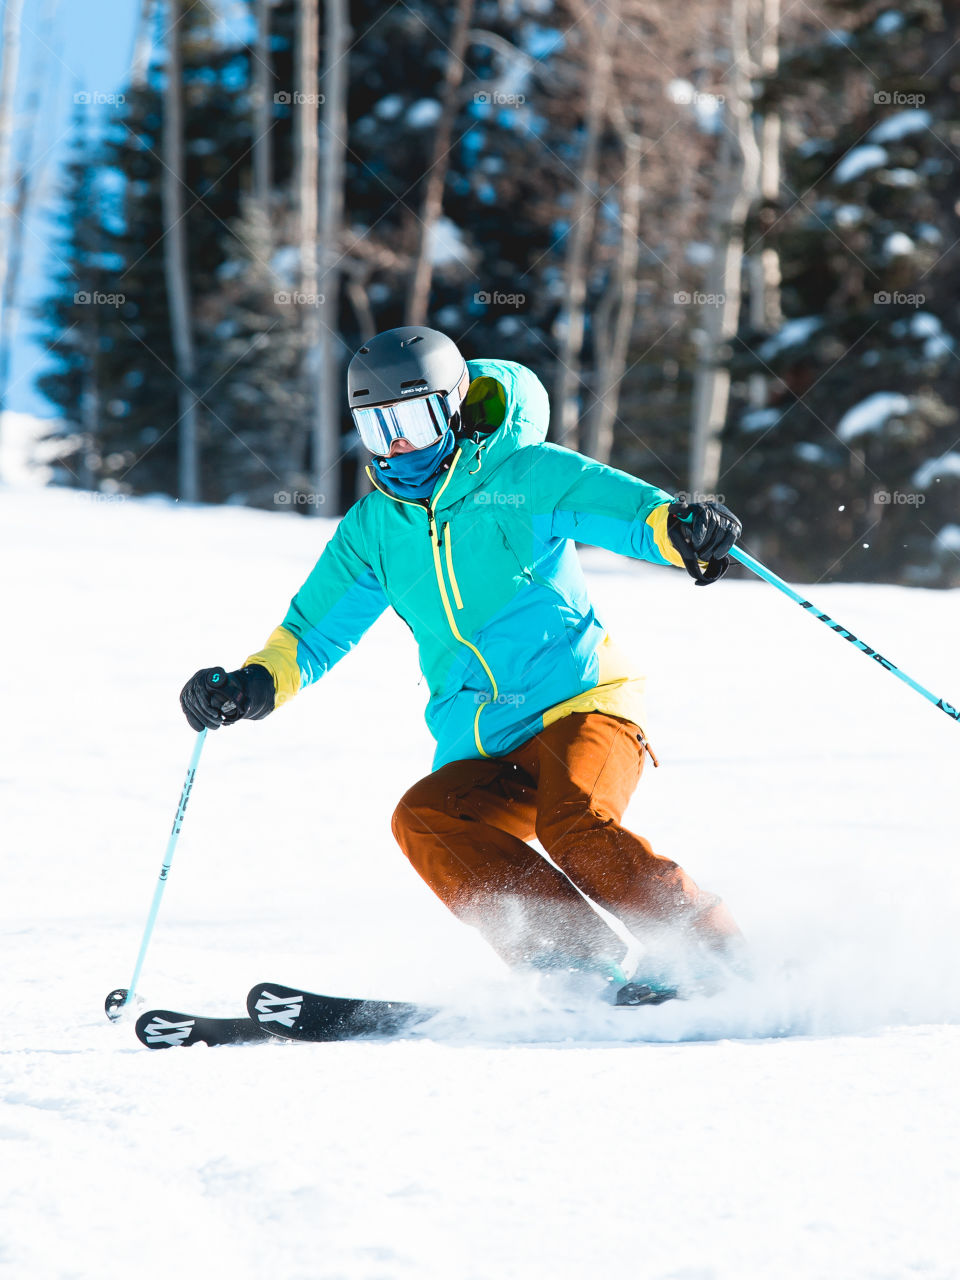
(410, 361)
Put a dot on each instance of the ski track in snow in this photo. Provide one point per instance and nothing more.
(803, 1124)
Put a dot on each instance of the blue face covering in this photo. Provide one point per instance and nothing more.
(413, 475)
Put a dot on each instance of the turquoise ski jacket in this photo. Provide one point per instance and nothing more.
(486, 575)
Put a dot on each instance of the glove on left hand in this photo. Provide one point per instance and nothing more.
(703, 531)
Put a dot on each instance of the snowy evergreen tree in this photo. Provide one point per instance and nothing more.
(852, 470)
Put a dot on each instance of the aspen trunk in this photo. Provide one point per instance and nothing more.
(579, 238)
(9, 63)
(175, 262)
(326, 450)
(739, 167)
(418, 295)
(262, 112)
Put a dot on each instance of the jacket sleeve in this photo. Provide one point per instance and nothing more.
(599, 505)
(340, 599)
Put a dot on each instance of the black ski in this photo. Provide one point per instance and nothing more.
(162, 1029)
(296, 1014)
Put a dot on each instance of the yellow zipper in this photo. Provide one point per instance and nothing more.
(449, 553)
(438, 567)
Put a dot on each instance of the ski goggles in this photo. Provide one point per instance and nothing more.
(420, 421)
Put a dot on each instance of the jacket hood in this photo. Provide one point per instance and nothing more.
(526, 418)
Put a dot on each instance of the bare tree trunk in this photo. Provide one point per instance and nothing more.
(326, 449)
(175, 262)
(418, 296)
(262, 114)
(612, 347)
(23, 186)
(305, 186)
(90, 415)
(9, 62)
(579, 238)
(739, 167)
(765, 312)
(142, 44)
(24, 183)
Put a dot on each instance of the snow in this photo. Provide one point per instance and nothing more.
(792, 334)
(699, 253)
(759, 419)
(807, 452)
(707, 107)
(447, 244)
(681, 92)
(389, 108)
(801, 1126)
(23, 455)
(937, 342)
(948, 539)
(858, 162)
(285, 263)
(872, 414)
(848, 215)
(900, 125)
(889, 22)
(898, 245)
(948, 464)
(901, 178)
(541, 42)
(423, 113)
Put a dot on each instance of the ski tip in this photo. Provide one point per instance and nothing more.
(167, 1029)
(164, 1029)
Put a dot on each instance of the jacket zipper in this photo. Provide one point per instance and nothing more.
(435, 542)
(448, 550)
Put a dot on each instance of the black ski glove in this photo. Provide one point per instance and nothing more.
(703, 531)
(214, 697)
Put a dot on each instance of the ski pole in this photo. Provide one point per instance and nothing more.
(117, 1000)
(763, 572)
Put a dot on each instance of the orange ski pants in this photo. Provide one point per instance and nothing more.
(466, 826)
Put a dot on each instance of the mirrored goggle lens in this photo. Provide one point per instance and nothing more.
(420, 422)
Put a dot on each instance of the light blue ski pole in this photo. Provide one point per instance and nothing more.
(763, 572)
(117, 1000)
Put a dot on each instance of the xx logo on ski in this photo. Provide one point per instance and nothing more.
(283, 1009)
(160, 1031)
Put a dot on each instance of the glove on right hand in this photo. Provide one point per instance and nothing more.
(213, 697)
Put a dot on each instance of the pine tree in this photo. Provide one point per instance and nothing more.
(868, 251)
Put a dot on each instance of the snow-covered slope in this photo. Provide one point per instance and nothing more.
(803, 1125)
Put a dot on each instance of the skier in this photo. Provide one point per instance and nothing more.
(469, 535)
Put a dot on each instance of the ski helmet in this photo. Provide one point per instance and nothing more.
(407, 382)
